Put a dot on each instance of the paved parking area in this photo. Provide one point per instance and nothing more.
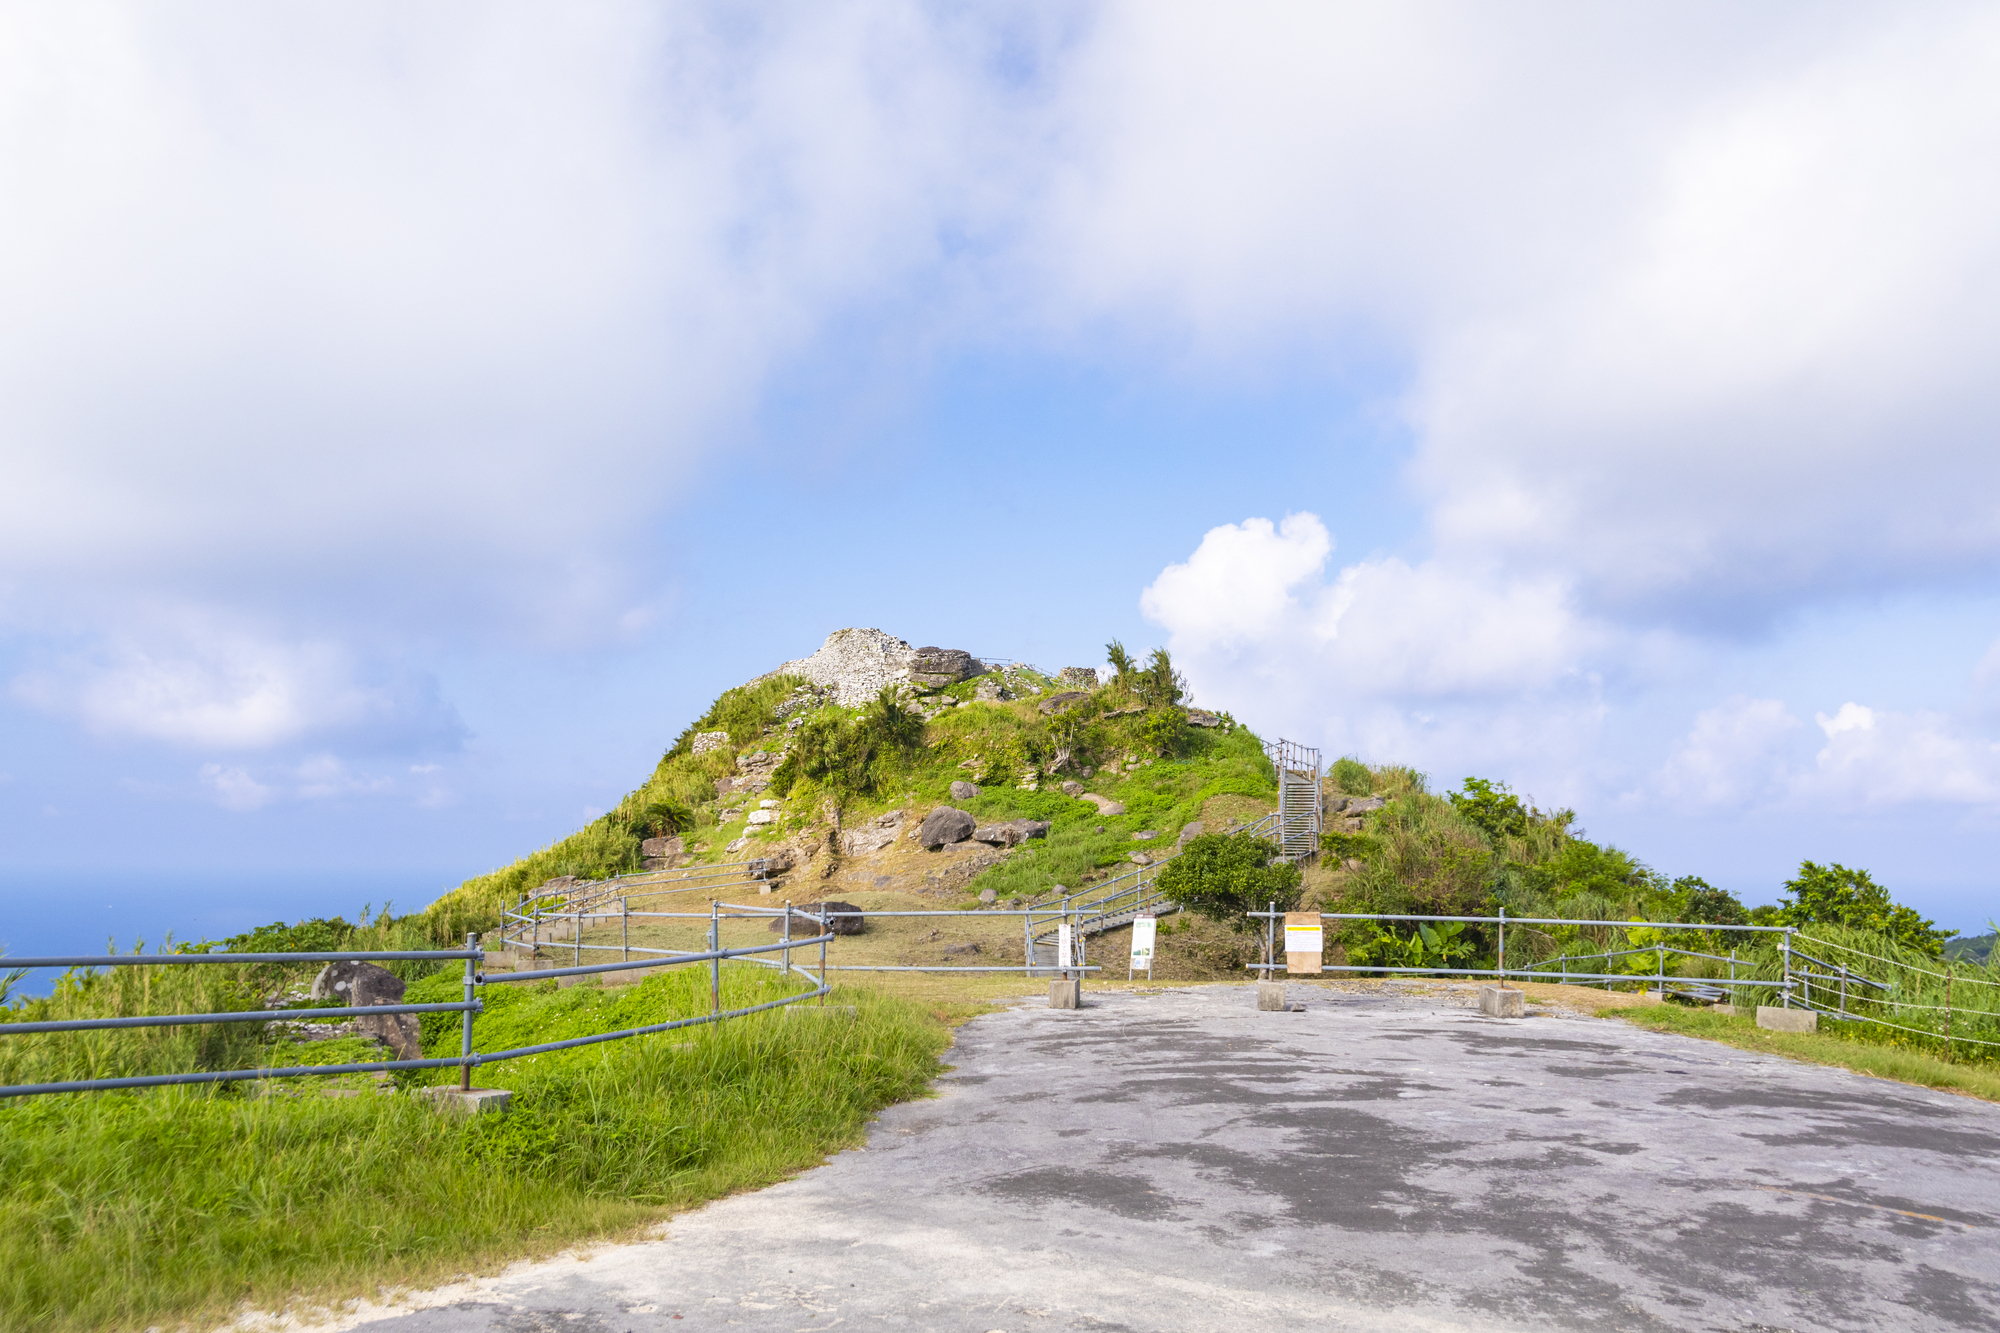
(1180, 1161)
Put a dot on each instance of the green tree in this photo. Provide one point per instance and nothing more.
(1693, 898)
(1837, 896)
(1492, 806)
(1224, 875)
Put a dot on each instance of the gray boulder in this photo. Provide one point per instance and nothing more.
(1107, 807)
(1012, 833)
(964, 791)
(806, 920)
(1077, 678)
(1355, 809)
(1198, 717)
(363, 985)
(1061, 703)
(935, 668)
(1072, 789)
(945, 826)
(1189, 831)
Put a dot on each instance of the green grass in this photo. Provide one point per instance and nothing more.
(1834, 1045)
(174, 1207)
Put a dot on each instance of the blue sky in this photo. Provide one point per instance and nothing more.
(413, 416)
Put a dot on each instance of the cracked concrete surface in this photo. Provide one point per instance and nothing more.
(1182, 1161)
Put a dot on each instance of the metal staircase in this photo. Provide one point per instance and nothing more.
(1298, 820)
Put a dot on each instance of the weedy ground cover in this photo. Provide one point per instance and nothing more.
(176, 1206)
(1835, 1044)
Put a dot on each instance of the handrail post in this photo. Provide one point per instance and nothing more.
(787, 955)
(465, 1030)
(714, 964)
(1500, 969)
(625, 925)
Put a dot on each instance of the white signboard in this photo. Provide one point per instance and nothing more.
(1143, 931)
(1302, 938)
(1065, 946)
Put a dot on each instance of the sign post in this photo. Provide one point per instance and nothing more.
(1303, 937)
(1144, 929)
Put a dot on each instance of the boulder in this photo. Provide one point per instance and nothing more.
(1107, 807)
(935, 668)
(959, 950)
(663, 847)
(362, 985)
(1012, 833)
(1356, 808)
(1189, 831)
(559, 887)
(991, 691)
(704, 741)
(1072, 789)
(775, 862)
(758, 818)
(1077, 678)
(989, 895)
(944, 826)
(1199, 717)
(810, 924)
(1145, 835)
(1061, 703)
(862, 841)
(964, 791)
(1141, 859)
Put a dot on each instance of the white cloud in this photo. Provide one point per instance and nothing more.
(1746, 754)
(1737, 754)
(235, 789)
(194, 681)
(1698, 305)
(1874, 758)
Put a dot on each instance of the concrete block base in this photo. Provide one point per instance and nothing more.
(1503, 1002)
(1271, 997)
(1066, 994)
(1787, 1020)
(479, 1101)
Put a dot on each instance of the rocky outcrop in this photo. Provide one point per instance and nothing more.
(704, 741)
(873, 836)
(1189, 832)
(663, 853)
(1061, 703)
(964, 791)
(1198, 717)
(1012, 833)
(1077, 678)
(806, 920)
(991, 691)
(855, 663)
(935, 668)
(364, 985)
(753, 772)
(945, 826)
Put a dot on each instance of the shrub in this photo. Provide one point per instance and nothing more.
(1351, 776)
(852, 755)
(1222, 876)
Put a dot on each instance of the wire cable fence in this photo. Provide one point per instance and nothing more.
(467, 1059)
(1780, 965)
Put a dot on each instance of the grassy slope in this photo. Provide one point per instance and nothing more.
(1903, 1063)
(170, 1206)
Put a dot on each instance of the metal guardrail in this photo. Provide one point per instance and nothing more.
(466, 1061)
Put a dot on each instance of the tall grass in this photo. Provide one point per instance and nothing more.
(125, 992)
(125, 1210)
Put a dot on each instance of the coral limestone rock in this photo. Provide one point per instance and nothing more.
(855, 664)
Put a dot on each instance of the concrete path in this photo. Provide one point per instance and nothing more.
(1181, 1161)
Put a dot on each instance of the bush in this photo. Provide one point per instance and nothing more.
(1223, 876)
(1351, 776)
(852, 755)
